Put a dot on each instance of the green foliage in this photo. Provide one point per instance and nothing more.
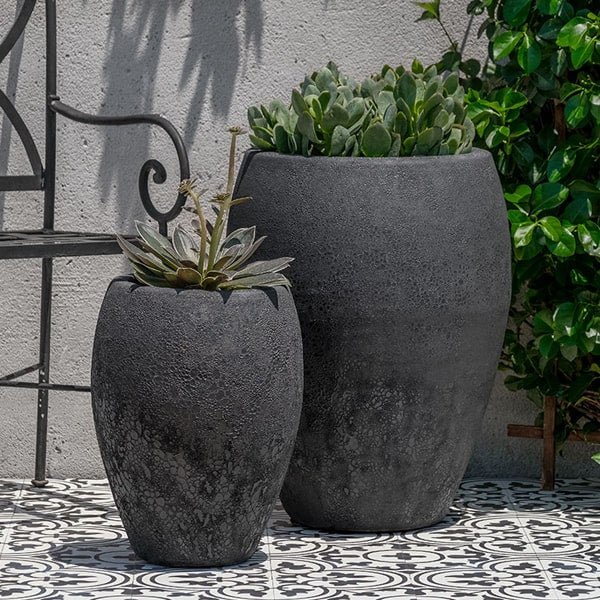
(208, 259)
(397, 112)
(537, 109)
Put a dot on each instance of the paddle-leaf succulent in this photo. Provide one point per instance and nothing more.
(398, 112)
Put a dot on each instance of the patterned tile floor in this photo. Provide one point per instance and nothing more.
(501, 540)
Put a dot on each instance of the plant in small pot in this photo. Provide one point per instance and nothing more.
(197, 389)
(402, 283)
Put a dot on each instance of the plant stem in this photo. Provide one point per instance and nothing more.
(453, 44)
(231, 172)
(203, 234)
(559, 120)
(215, 240)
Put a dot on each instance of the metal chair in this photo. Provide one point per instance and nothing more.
(47, 243)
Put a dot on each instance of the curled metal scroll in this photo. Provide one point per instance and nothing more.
(14, 33)
(21, 182)
(151, 166)
(27, 182)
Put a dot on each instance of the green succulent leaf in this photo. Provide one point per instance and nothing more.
(338, 140)
(428, 140)
(262, 267)
(189, 276)
(451, 83)
(258, 142)
(406, 88)
(298, 102)
(376, 140)
(306, 126)
(146, 278)
(255, 281)
(184, 245)
(135, 254)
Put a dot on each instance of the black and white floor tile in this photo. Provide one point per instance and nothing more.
(502, 540)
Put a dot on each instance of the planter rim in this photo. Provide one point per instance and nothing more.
(475, 153)
(224, 295)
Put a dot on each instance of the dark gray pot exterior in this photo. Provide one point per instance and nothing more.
(402, 285)
(196, 400)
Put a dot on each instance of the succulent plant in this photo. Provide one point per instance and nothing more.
(208, 258)
(397, 112)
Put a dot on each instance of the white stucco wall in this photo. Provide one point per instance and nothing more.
(201, 63)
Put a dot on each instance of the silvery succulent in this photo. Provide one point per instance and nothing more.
(397, 112)
(206, 258)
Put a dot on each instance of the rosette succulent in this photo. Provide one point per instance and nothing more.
(206, 258)
(398, 112)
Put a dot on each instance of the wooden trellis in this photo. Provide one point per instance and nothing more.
(546, 433)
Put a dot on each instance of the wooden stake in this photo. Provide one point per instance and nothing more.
(549, 458)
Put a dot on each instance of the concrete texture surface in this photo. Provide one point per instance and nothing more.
(402, 285)
(209, 445)
(201, 64)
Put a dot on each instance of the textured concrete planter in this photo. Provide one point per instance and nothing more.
(196, 398)
(402, 284)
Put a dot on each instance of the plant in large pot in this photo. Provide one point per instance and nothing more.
(537, 109)
(402, 284)
(197, 389)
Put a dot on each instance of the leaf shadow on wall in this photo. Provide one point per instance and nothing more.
(211, 51)
(213, 55)
(134, 41)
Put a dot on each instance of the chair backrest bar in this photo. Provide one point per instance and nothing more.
(50, 170)
(43, 178)
(36, 180)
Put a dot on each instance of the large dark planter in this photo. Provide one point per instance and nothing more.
(402, 284)
(196, 398)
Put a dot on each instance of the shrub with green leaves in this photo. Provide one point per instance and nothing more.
(398, 112)
(537, 109)
(208, 258)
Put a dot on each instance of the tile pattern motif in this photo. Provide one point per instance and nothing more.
(502, 540)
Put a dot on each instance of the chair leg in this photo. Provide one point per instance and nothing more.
(44, 374)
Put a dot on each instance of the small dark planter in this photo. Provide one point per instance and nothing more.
(196, 398)
(402, 283)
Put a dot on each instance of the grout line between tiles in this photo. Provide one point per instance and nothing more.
(10, 522)
(267, 535)
(523, 527)
(506, 499)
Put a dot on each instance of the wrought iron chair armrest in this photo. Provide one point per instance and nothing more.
(151, 165)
